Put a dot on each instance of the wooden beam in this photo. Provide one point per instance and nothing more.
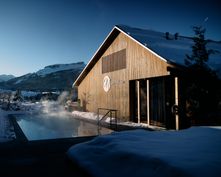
(176, 102)
(138, 102)
(148, 104)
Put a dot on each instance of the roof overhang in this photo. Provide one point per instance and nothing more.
(107, 42)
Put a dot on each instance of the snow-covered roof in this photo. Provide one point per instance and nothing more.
(169, 50)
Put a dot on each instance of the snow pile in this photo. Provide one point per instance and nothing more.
(140, 125)
(139, 153)
(90, 116)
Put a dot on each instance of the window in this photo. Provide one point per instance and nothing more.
(114, 61)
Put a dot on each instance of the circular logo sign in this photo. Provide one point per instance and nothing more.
(106, 83)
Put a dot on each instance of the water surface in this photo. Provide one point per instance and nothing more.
(38, 127)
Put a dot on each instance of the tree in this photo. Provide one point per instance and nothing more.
(202, 81)
(176, 35)
(200, 54)
(167, 34)
(17, 96)
(6, 100)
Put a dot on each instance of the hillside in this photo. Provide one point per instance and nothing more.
(51, 78)
(5, 77)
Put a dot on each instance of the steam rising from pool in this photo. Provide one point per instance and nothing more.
(50, 120)
(50, 108)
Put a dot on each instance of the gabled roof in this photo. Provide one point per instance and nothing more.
(172, 50)
(107, 42)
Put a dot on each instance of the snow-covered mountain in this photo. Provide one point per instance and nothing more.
(51, 78)
(5, 77)
(59, 67)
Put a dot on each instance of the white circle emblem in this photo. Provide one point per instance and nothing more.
(106, 83)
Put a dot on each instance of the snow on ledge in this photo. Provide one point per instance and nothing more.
(6, 129)
(90, 116)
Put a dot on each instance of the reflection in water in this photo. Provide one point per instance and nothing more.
(87, 129)
(37, 127)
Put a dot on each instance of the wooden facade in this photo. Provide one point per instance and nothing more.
(141, 71)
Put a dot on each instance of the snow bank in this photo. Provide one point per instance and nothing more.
(90, 116)
(140, 125)
(139, 153)
(6, 129)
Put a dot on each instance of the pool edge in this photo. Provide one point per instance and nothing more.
(20, 136)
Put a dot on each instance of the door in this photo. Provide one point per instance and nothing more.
(157, 102)
(133, 101)
(138, 100)
(143, 101)
(162, 98)
(153, 101)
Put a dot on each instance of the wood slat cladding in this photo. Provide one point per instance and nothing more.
(140, 63)
(114, 61)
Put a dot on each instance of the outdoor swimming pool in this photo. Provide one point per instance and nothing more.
(43, 126)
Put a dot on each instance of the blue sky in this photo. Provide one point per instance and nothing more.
(34, 34)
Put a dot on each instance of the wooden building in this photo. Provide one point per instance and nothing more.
(134, 72)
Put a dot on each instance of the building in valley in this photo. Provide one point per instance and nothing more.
(139, 73)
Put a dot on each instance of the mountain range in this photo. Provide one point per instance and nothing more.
(5, 77)
(50, 78)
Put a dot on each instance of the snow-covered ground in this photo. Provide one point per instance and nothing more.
(93, 117)
(29, 93)
(6, 129)
(90, 116)
(138, 153)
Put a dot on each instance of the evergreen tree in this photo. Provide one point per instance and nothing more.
(200, 54)
(167, 34)
(201, 90)
(176, 36)
(17, 96)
